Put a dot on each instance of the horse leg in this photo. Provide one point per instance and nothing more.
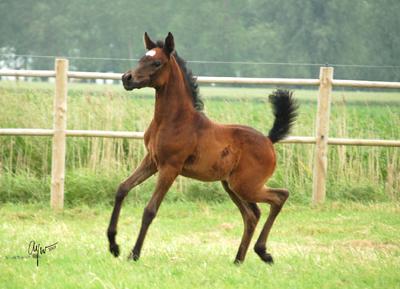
(276, 198)
(250, 214)
(142, 173)
(166, 177)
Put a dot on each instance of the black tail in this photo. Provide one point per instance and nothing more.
(284, 108)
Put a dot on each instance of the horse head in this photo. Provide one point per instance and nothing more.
(153, 68)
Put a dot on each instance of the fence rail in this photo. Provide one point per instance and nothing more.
(326, 82)
(140, 134)
(210, 79)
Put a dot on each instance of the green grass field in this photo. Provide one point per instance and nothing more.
(192, 245)
(349, 242)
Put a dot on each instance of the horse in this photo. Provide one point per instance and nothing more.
(182, 140)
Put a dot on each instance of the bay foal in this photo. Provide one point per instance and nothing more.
(181, 140)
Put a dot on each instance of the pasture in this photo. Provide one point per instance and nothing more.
(351, 241)
(192, 245)
(95, 165)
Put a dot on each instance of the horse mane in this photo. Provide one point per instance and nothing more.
(190, 79)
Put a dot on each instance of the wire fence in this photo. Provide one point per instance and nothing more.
(210, 67)
(52, 57)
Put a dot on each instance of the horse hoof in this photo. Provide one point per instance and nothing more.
(133, 256)
(267, 258)
(238, 262)
(114, 249)
(262, 253)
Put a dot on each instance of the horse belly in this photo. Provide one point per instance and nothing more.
(214, 165)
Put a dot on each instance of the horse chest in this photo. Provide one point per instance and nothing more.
(164, 145)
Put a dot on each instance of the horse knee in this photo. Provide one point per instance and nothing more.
(256, 210)
(283, 195)
(121, 192)
(277, 197)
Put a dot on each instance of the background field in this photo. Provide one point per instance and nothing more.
(194, 239)
(95, 166)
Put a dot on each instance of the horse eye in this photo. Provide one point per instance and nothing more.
(157, 63)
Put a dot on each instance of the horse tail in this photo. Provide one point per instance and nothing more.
(284, 108)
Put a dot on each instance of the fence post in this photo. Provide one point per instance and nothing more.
(322, 131)
(59, 137)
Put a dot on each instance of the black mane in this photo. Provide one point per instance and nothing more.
(190, 79)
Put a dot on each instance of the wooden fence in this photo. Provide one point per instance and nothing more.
(321, 138)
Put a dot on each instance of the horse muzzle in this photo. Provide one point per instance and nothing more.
(130, 83)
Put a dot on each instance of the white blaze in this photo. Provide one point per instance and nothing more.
(151, 53)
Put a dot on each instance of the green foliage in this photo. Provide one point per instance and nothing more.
(307, 31)
(23, 187)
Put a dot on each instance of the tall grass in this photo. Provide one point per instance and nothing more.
(95, 166)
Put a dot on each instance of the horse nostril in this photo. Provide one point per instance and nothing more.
(127, 77)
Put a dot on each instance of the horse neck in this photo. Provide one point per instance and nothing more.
(173, 99)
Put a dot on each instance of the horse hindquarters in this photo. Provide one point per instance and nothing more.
(247, 181)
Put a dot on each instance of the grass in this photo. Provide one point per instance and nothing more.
(95, 166)
(192, 245)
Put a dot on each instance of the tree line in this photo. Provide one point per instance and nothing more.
(298, 35)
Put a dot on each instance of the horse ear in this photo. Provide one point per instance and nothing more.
(169, 44)
(148, 43)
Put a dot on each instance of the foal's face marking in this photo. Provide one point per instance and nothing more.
(151, 53)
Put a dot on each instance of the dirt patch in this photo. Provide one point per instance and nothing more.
(227, 226)
(368, 244)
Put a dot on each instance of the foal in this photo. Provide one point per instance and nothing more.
(181, 140)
